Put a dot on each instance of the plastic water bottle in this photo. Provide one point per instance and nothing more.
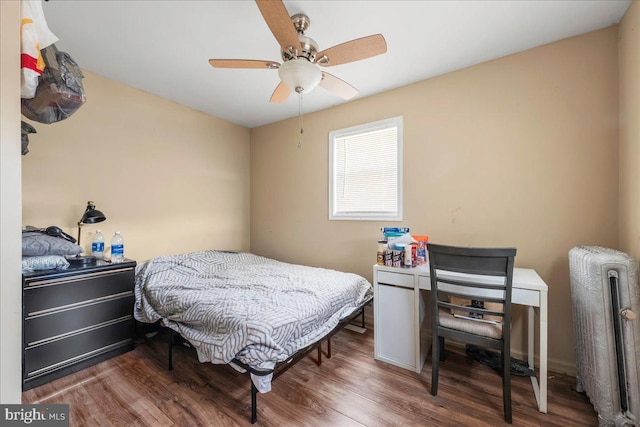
(117, 248)
(97, 246)
(408, 261)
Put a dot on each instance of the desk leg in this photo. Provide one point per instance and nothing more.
(417, 326)
(531, 336)
(543, 351)
(539, 384)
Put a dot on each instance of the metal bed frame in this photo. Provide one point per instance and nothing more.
(284, 366)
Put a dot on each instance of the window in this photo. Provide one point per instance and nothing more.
(365, 172)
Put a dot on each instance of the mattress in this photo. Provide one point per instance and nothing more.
(239, 305)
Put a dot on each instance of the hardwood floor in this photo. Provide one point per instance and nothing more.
(350, 389)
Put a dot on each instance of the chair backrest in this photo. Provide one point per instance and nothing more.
(481, 275)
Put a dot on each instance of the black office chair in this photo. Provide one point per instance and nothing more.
(483, 277)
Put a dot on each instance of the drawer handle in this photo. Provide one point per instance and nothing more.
(77, 332)
(77, 304)
(77, 359)
(41, 283)
(391, 285)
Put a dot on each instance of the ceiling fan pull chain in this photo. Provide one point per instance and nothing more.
(300, 119)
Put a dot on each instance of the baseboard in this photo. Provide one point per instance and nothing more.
(553, 365)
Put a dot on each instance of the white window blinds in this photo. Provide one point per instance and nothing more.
(365, 171)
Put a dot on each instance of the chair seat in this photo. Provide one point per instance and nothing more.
(471, 326)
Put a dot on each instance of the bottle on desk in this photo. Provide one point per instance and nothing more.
(408, 261)
(382, 247)
(117, 248)
(97, 246)
(421, 252)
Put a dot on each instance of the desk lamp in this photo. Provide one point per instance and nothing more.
(91, 216)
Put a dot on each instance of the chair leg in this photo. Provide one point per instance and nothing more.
(506, 384)
(441, 347)
(435, 353)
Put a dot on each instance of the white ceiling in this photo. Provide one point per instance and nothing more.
(162, 47)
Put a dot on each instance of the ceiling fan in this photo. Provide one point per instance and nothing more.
(300, 71)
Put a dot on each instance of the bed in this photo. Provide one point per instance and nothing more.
(252, 312)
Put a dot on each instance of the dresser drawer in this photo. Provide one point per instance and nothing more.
(55, 323)
(46, 357)
(53, 294)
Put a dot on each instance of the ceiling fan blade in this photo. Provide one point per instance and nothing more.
(281, 93)
(354, 50)
(337, 86)
(277, 18)
(243, 63)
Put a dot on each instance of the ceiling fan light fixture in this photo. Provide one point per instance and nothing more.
(300, 75)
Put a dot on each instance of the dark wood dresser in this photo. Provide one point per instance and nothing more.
(75, 318)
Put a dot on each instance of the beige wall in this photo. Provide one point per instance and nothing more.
(10, 280)
(629, 154)
(169, 178)
(518, 151)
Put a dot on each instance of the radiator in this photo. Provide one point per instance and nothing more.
(606, 302)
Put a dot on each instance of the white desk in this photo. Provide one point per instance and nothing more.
(397, 297)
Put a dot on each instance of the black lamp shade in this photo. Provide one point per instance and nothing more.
(92, 215)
